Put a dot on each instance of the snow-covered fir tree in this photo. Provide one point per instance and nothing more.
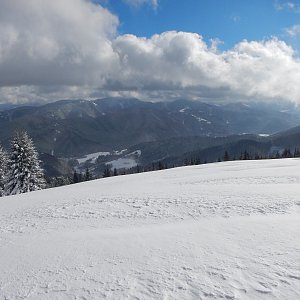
(3, 170)
(24, 171)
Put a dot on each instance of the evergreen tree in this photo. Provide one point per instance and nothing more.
(80, 177)
(286, 153)
(198, 161)
(59, 181)
(226, 156)
(246, 155)
(115, 172)
(138, 169)
(106, 172)
(241, 156)
(3, 170)
(75, 177)
(160, 165)
(24, 171)
(296, 152)
(87, 175)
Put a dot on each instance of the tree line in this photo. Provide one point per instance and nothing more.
(162, 165)
(21, 171)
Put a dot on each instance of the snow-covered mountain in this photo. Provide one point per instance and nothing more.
(74, 128)
(216, 231)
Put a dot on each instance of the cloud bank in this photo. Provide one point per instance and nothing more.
(71, 49)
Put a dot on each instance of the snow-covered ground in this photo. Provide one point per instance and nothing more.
(92, 156)
(122, 163)
(217, 231)
(127, 162)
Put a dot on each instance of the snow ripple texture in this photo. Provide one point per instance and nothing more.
(216, 231)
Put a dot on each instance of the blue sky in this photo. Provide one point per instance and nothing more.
(228, 20)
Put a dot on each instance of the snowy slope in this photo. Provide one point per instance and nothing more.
(227, 230)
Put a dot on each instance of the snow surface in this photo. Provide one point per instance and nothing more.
(201, 119)
(127, 162)
(264, 134)
(92, 156)
(122, 163)
(184, 109)
(217, 231)
(119, 152)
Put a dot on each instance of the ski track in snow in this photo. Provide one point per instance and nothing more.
(217, 231)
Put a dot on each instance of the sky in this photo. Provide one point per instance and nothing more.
(206, 50)
(231, 21)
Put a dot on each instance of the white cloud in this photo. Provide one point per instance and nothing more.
(55, 42)
(49, 51)
(137, 3)
(235, 19)
(183, 61)
(293, 31)
(287, 5)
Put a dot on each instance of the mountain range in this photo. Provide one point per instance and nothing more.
(160, 130)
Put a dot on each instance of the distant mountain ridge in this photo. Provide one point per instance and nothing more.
(72, 128)
(175, 151)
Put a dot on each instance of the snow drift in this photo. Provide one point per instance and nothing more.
(226, 230)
